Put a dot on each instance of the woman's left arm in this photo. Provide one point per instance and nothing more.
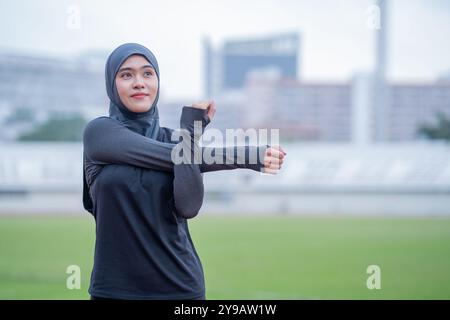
(188, 188)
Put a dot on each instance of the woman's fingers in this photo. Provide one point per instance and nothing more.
(278, 148)
(273, 159)
(211, 109)
(210, 106)
(275, 153)
(272, 164)
(201, 105)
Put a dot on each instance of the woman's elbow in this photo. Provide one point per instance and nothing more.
(189, 209)
(188, 190)
(187, 214)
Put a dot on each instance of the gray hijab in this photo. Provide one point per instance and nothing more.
(144, 123)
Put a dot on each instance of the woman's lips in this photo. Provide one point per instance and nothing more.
(139, 96)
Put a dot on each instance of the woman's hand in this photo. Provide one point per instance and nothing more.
(206, 105)
(273, 159)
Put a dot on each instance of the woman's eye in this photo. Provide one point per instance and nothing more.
(148, 74)
(125, 75)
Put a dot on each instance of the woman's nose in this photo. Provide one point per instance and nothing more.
(138, 82)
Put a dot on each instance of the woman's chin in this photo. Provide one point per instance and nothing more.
(139, 109)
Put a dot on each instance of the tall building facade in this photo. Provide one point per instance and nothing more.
(45, 83)
(227, 68)
(34, 88)
(336, 112)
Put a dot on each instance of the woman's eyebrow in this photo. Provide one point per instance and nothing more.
(131, 69)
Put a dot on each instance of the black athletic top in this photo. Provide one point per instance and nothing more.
(141, 199)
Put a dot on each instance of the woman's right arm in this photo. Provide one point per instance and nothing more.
(108, 142)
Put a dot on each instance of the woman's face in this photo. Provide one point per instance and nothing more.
(137, 84)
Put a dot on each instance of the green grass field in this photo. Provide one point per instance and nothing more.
(262, 257)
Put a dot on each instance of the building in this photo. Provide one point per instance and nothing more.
(45, 86)
(415, 104)
(339, 111)
(301, 110)
(226, 68)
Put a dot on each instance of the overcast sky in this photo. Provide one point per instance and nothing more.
(336, 41)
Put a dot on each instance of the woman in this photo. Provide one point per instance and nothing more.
(139, 197)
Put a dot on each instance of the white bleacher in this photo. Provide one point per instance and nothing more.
(316, 177)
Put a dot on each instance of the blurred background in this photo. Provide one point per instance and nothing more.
(359, 91)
